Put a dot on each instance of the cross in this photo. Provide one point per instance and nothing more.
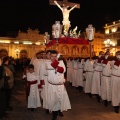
(65, 2)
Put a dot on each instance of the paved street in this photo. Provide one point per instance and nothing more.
(83, 107)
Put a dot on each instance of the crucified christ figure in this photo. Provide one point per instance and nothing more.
(65, 12)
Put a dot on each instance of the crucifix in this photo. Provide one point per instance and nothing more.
(65, 2)
(63, 6)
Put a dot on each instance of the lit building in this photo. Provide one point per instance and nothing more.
(98, 43)
(26, 44)
(112, 36)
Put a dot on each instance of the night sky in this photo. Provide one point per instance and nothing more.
(18, 15)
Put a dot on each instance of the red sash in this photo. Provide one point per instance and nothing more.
(29, 83)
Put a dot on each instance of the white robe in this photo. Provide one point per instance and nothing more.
(36, 64)
(33, 98)
(31, 62)
(58, 97)
(80, 81)
(75, 69)
(70, 74)
(44, 76)
(96, 80)
(89, 74)
(106, 82)
(115, 85)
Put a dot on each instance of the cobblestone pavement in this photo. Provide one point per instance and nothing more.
(83, 107)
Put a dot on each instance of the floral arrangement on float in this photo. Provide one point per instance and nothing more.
(67, 38)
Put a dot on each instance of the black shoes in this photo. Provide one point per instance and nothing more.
(70, 84)
(47, 111)
(98, 98)
(55, 114)
(105, 103)
(80, 88)
(89, 94)
(32, 109)
(60, 114)
(116, 109)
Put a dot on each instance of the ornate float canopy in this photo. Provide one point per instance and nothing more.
(75, 47)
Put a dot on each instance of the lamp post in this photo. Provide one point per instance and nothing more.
(90, 31)
(56, 30)
(17, 51)
(109, 44)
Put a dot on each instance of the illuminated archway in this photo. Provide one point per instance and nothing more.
(23, 54)
(3, 53)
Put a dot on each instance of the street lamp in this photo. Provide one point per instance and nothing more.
(90, 31)
(109, 44)
(56, 30)
(17, 51)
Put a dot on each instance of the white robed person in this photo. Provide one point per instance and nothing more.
(58, 99)
(37, 62)
(96, 80)
(32, 86)
(105, 79)
(65, 13)
(115, 83)
(88, 71)
(44, 76)
(70, 70)
(80, 81)
(75, 69)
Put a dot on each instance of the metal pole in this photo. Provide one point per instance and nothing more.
(56, 40)
(90, 50)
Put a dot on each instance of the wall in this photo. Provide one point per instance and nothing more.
(31, 49)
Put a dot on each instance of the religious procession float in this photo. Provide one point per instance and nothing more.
(69, 42)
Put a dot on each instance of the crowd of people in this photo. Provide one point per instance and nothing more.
(6, 84)
(98, 76)
(8, 68)
(45, 74)
(45, 80)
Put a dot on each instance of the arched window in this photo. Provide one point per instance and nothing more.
(3, 53)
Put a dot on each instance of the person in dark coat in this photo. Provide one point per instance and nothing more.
(9, 78)
(2, 92)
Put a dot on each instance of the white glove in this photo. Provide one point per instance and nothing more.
(24, 76)
(55, 1)
(59, 55)
(42, 86)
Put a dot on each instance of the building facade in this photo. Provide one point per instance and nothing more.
(98, 43)
(112, 34)
(26, 44)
